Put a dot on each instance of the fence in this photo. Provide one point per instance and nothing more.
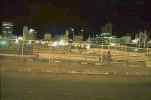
(119, 53)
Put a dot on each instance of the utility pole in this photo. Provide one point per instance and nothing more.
(22, 48)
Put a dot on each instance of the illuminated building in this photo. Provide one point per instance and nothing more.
(66, 36)
(29, 34)
(7, 29)
(47, 37)
(107, 28)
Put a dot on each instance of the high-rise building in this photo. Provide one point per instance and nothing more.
(29, 34)
(47, 36)
(7, 29)
(66, 35)
(25, 32)
(107, 28)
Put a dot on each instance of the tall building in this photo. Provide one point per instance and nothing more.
(7, 29)
(47, 36)
(66, 35)
(29, 34)
(25, 32)
(107, 28)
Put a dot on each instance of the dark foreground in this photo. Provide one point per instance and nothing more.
(46, 86)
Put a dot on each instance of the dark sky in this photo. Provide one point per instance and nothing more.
(124, 14)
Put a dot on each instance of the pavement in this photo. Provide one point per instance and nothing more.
(47, 86)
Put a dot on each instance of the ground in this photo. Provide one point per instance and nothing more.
(45, 86)
(23, 79)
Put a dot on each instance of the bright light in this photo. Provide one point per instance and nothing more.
(61, 42)
(55, 44)
(110, 37)
(7, 27)
(112, 44)
(72, 29)
(20, 38)
(7, 24)
(3, 42)
(88, 46)
(16, 41)
(75, 45)
(31, 30)
(136, 49)
(66, 43)
(29, 42)
(37, 41)
(43, 42)
(135, 40)
(82, 30)
(149, 42)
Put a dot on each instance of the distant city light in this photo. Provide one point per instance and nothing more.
(43, 42)
(149, 42)
(82, 30)
(136, 49)
(55, 44)
(16, 41)
(88, 46)
(31, 30)
(7, 24)
(135, 41)
(112, 44)
(20, 38)
(37, 41)
(7, 27)
(72, 29)
(61, 42)
(3, 42)
(29, 42)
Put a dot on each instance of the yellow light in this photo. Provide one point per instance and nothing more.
(20, 38)
(16, 41)
(112, 44)
(55, 44)
(88, 46)
(61, 42)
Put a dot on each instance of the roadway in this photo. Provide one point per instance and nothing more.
(45, 86)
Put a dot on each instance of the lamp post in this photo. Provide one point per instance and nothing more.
(20, 39)
(22, 47)
(72, 29)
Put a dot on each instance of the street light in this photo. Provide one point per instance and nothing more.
(72, 29)
(20, 39)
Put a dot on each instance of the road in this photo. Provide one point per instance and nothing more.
(44, 86)
(39, 83)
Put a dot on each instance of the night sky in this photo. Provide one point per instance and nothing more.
(126, 15)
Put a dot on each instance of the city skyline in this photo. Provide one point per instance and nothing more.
(126, 15)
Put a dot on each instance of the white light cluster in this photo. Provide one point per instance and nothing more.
(88, 46)
(55, 44)
(135, 40)
(59, 43)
